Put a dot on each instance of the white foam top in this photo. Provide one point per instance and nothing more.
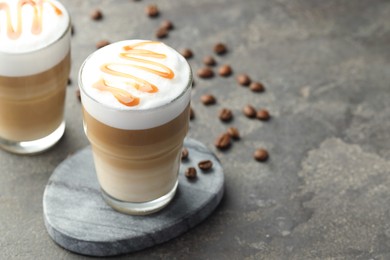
(154, 109)
(32, 49)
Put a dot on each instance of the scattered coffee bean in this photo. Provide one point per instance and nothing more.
(69, 81)
(256, 87)
(223, 141)
(261, 155)
(193, 83)
(184, 154)
(249, 111)
(78, 95)
(208, 99)
(225, 71)
(167, 24)
(192, 114)
(190, 173)
(161, 33)
(220, 48)
(205, 73)
(226, 115)
(234, 133)
(209, 61)
(152, 11)
(205, 165)
(243, 79)
(96, 15)
(263, 115)
(72, 30)
(187, 53)
(102, 43)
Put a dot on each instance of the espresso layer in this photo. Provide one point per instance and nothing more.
(32, 107)
(137, 165)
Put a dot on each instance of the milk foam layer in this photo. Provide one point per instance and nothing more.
(31, 52)
(170, 98)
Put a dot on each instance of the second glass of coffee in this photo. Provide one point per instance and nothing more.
(136, 97)
(34, 71)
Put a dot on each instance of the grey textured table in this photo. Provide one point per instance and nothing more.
(324, 193)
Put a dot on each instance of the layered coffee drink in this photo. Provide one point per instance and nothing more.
(34, 71)
(135, 97)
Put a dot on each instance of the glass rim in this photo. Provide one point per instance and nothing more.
(81, 87)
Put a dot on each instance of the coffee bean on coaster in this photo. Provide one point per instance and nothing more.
(102, 43)
(223, 142)
(256, 87)
(225, 70)
(225, 115)
(96, 15)
(187, 53)
(152, 11)
(190, 173)
(205, 165)
(208, 99)
(234, 133)
(209, 61)
(78, 95)
(192, 114)
(220, 48)
(249, 111)
(205, 73)
(261, 155)
(263, 115)
(184, 154)
(243, 80)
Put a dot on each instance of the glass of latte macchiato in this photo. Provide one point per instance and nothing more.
(34, 71)
(136, 97)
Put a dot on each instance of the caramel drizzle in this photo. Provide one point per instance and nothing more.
(140, 84)
(36, 27)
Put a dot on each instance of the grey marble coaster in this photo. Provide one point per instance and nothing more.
(77, 218)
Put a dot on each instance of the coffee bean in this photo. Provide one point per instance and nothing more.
(205, 165)
(263, 115)
(78, 94)
(208, 99)
(256, 87)
(69, 81)
(243, 79)
(190, 173)
(225, 71)
(209, 61)
(161, 33)
(205, 73)
(223, 141)
(96, 15)
(192, 114)
(249, 111)
(72, 30)
(102, 43)
(167, 24)
(187, 53)
(234, 133)
(225, 115)
(220, 48)
(152, 11)
(193, 83)
(261, 155)
(184, 154)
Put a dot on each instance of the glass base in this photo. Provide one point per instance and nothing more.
(35, 146)
(140, 208)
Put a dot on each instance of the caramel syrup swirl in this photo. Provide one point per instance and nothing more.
(130, 51)
(36, 28)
